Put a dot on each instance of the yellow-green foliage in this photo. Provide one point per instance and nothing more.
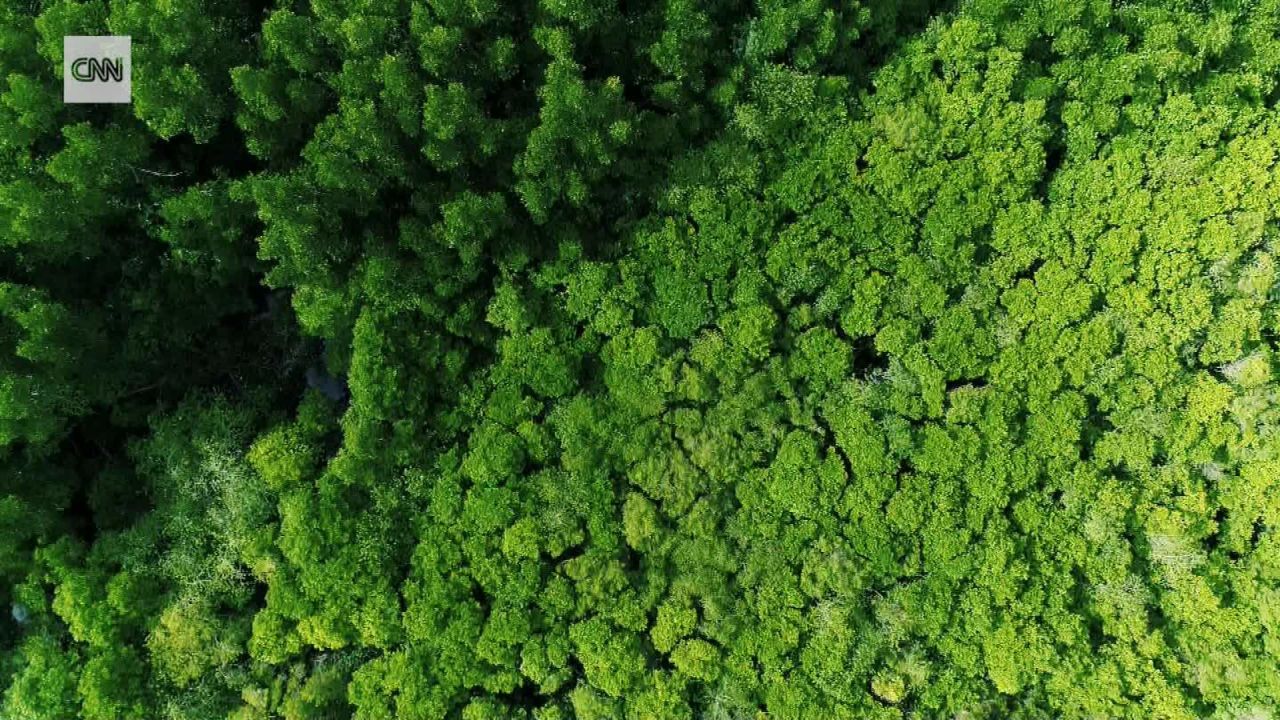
(562, 359)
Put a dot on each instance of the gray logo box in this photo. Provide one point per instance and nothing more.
(97, 68)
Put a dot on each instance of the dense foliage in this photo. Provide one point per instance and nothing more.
(556, 359)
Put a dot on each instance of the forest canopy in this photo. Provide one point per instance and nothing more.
(684, 360)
